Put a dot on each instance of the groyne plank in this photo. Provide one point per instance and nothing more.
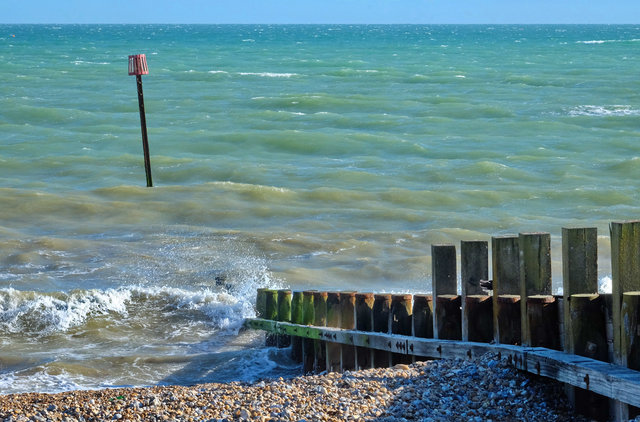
(613, 381)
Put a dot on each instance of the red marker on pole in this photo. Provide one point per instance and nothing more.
(138, 67)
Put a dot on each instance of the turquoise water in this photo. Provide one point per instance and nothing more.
(300, 156)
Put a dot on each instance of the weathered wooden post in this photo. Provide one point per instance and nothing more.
(364, 322)
(625, 277)
(447, 322)
(138, 67)
(271, 313)
(284, 315)
(579, 272)
(542, 319)
(505, 260)
(348, 322)
(630, 316)
(261, 303)
(477, 309)
(535, 280)
(422, 319)
(320, 320)
(381, 324)
(588, 338)
(479, 314)
(401, 323)
(333, 320)
(423, 316)
(584, 314)
(308, 316)
(296, 318)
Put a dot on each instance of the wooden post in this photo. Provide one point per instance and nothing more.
(474, 266)
(348, 322)
(445, 290)
(271, 313)
(422, 319)
(508, 318)
(381, 324)
(588, 338)
(505, 260)
(364, 322)
(584, 319)
(630, 339)
(625, 278)
(296, 318)
(333, 320)
(423, 316)
(588, 332)
(308, 316)
(449, 316)
(284, 314)
(478, 312)
(625, 269)
(261, 303)
(535, 274)
(401, 323)
(630, 316)
(320, 320)
(542, 320)
(579, 270)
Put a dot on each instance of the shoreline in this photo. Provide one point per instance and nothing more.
(444, 390)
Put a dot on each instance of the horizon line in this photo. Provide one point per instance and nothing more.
(316, 23)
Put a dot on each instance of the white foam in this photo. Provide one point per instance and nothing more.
(606, 41)
(604, 110)
(226, 312)
(47, 313)
(268, 74)
(33, 312)
(40, 381)
(604, 285)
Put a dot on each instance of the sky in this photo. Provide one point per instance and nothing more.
(320, 11)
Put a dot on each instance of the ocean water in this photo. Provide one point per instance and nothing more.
(325, 157)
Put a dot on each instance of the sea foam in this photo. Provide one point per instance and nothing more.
(36, 313)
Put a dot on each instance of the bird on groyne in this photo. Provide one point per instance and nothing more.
(486, 284)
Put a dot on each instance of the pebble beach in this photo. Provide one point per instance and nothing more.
(482, 389)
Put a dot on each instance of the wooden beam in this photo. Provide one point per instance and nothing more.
(613, 381)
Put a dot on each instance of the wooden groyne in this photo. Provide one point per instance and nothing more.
(587, 340)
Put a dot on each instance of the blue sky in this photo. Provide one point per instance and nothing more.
(319, 11)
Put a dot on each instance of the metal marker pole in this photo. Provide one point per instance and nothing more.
(143, 127)
(138, 67)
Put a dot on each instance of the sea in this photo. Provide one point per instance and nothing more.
(284, 156)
